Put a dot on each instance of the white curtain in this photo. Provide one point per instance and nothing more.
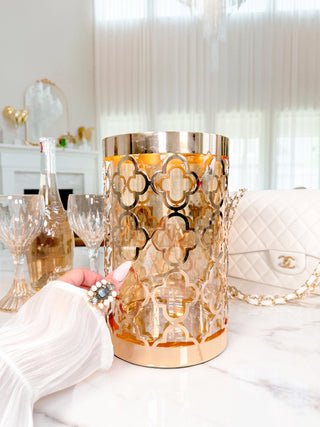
(259, 84)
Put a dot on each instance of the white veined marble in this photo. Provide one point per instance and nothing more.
(269, 375)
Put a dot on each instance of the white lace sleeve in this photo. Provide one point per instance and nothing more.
(54, 341)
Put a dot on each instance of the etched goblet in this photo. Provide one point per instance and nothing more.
(21, 220)
(85, 215)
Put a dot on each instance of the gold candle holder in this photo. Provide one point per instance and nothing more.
(166, 198)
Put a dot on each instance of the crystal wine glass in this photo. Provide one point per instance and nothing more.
(85, 214)
(21, 220)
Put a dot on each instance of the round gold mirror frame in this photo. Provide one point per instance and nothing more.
(45, 113)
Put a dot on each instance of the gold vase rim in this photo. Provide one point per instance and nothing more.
(166, 142)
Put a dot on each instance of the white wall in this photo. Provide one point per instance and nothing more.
(48, 39)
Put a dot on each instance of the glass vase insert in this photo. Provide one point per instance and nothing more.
(166, 197)
(51, 254)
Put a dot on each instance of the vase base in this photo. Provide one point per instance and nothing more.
(169, 357)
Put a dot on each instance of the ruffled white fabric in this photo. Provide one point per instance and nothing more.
(55, 341)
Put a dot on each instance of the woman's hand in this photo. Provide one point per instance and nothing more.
(55, 340)
(81, 278)
(85, 278)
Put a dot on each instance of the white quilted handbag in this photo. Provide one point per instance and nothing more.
(274, 243)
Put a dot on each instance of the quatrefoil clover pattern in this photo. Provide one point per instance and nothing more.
(128, 237)
(129, 182)
(213, 236)
(176, 287)
(200, 210)
(174, 238)
(175, 169)
(145, 217)
(214, 183)
(170, 220)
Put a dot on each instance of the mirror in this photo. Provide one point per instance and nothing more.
(48, 111)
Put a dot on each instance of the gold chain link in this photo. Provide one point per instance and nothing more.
(269, 300)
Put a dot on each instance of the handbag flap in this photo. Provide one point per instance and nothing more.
(278, 220)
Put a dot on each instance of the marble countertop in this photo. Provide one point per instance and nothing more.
(269, 375)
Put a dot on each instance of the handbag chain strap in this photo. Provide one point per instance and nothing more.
(269, 300)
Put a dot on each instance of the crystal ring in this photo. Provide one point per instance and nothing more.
(102, 295)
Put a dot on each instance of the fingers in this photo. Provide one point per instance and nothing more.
(85, 279)
(81, 277)
(118, 275)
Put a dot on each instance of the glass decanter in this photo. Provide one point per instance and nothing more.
(51, 254)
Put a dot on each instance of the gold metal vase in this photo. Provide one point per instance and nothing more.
(166, 198)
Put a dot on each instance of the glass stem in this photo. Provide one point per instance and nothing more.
(93, 259)
(18, 267)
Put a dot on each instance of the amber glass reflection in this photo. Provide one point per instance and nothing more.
(165, 212)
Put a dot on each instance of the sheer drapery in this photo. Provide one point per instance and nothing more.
(155, 70)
